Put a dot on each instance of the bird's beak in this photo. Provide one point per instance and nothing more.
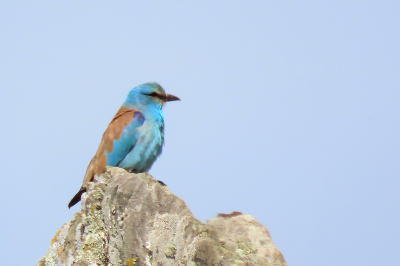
(170, 98)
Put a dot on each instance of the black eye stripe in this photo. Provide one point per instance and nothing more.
(154, 94)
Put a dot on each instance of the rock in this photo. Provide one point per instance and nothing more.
(131, 219)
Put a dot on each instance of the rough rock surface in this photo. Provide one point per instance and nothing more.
(130, 219)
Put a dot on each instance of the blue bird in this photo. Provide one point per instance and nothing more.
(135, 136)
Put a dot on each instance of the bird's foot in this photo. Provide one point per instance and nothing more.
(161, 183)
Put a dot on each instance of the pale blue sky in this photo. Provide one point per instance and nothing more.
(290, 112)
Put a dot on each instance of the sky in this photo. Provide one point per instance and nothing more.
(290, 112)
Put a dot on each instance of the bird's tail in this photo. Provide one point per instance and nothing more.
(77, 197)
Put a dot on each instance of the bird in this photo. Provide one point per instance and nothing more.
(135, 136)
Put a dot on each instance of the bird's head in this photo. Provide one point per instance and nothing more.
(148, 94)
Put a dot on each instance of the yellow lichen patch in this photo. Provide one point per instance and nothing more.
(245, 249)
(92, 209)
(55, 237)
(131, 261)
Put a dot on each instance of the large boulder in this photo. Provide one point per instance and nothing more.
(132, 219)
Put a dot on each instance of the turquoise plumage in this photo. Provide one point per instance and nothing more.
(134, 138)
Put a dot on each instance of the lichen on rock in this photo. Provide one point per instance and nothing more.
(130, 219)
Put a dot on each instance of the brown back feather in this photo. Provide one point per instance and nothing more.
(113, 132)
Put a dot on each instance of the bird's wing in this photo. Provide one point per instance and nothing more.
(117, 141)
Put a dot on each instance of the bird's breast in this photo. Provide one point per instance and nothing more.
(147, 148)
(151, 137)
